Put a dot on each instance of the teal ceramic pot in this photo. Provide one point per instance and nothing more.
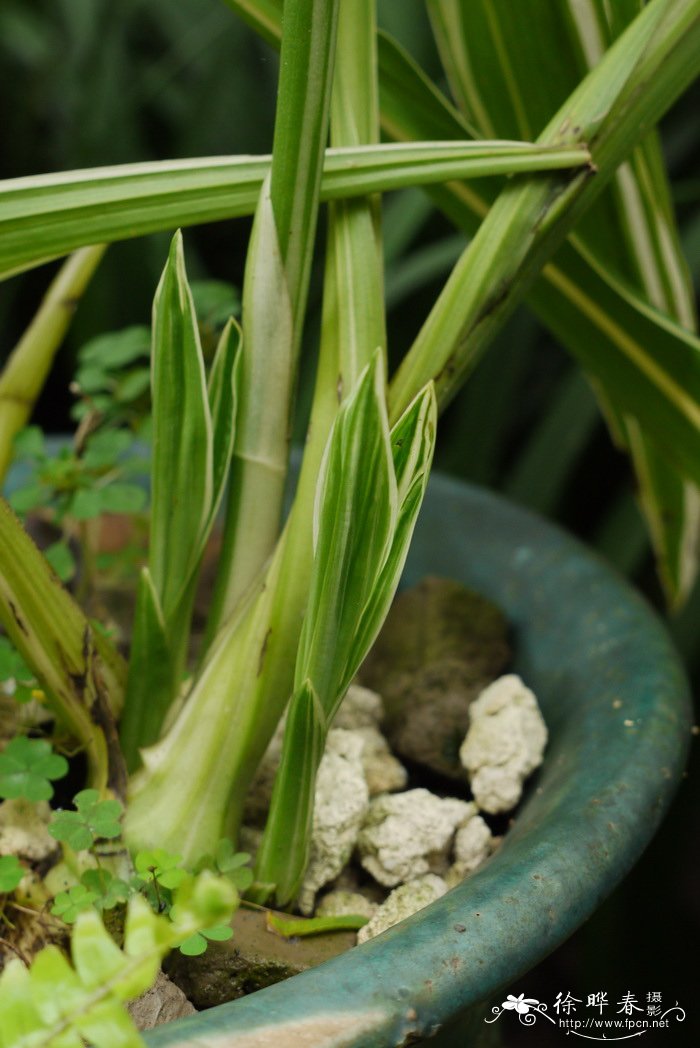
(617, 706)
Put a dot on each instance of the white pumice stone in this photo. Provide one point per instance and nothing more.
(23, 829)
(340, 805)
(504, 744)
(406, 835)
(361, 708)
(340, 904)
(401, 903)
(384, 773)
(473, 845)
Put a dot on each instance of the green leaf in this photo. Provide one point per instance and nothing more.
(108, 890)
(204, 901)
(569, 297)
(194, 945)
(261, 446)
(96, 956)
(181, 464)
(90, 206)
(93, 819)
(85, 504)
(109, 1026)
(29, 443)
(151, 680)
(26, 768)
(264, 16)
(222, 391)
(67, 905)
(413, 443)
(69, 827)
(370, 489)
(292, 927)
(629, 233)
(29, 497)
(193, 430)
(11, 873)
(167, 869)
(105, 448)
(55, 988)
(284, 850)
(215, 302)
(132, 386)
(122, 498)
(117, 349)
(354, 518)
(91, 379)
(19, 1015)
(218, 933)
(61, 559)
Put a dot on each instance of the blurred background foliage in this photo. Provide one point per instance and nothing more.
(91, 82)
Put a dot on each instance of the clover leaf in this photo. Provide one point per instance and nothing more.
(92, 820)
(26, 768)
(229, 863)
(196, 944)
(162, 866)
(67, 905)
(109, 890)
(11, 873)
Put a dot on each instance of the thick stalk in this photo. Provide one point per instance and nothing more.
(26, 370)
(270, 357)
(353, 327)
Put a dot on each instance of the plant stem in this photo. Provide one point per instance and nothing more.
(276, 288)
(25, 372)
(352, 328)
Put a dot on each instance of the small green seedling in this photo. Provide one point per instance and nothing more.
(27, 768)
(159, 865)
(109, 890)
(98, 889)
(67, 905)
(94, 819)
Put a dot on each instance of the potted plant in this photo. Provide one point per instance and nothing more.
(297, 606)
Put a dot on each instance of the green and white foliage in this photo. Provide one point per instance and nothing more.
(192, 441)
(370, 490)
